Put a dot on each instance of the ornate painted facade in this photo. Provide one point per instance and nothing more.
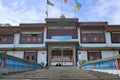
(61, 40)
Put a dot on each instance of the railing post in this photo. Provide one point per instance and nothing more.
(3, 62)
(84, 66)
(94, 66)
(117, 64)
(28, 66)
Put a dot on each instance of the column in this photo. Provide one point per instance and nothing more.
(3, 62)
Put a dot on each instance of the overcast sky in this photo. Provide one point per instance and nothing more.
(33, 11)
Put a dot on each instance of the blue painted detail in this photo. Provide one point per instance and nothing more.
(109, 64)
(19, 64)
(10, 63)
(0, 61)
(61, 37)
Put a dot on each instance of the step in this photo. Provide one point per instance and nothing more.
(54, 74)
(63, 68)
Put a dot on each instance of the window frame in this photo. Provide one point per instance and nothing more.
(90, 41)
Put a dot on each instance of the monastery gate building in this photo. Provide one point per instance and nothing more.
(61, 40)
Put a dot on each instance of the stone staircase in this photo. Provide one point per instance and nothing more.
(60, 73)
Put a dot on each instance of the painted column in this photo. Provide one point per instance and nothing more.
(117, 64)
(3, 62)
(49, 55)
(74, 56)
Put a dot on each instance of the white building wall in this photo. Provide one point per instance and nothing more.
(108, 39)
(82, 55)
(41, 56)
(94, 45)
(79, 37)
(106, 54)
(19, 54)
(45, 34)
(16, 39)
(6, 45)
(115, 45)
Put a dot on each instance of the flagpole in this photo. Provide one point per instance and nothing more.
(46, 10)
(62, 8)
(75, 12)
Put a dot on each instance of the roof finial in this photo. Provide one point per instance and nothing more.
(62, 16)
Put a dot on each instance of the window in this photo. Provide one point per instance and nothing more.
(94, 55)
(6, 39)
(27, 57)
(57, 31)
(34, 35)
(115, 37)
(31, 38)
(92, 38)
(30, 56)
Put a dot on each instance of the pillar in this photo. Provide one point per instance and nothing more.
(3, 62)
(117, 64)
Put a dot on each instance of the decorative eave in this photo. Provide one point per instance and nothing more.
(113, 28)
(93, 25)
(62, 43)
(61, 21)
(9, 30)
(36, 27)
(24, 49)
(98, 48)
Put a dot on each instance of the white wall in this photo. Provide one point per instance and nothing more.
(45, 34)
(16, 39)
(93, 45)
(106, 54)
(79, 37)
(82, 55)
(6, 45)
(108, 39)
(41, 56)
(19, 54)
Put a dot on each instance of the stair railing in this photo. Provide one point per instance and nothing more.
(11, 64)
(111, 63)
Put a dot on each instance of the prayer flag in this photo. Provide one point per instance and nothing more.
(77, 5)
(49, 3)
(65, 1)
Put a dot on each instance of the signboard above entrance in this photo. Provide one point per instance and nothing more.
(61, 38)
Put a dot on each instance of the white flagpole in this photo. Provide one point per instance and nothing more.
(75, 10)
(62, 8)
(46, 10)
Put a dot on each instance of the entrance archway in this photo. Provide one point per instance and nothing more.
(62, 57)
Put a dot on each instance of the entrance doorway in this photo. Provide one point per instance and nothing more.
(62, 57)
